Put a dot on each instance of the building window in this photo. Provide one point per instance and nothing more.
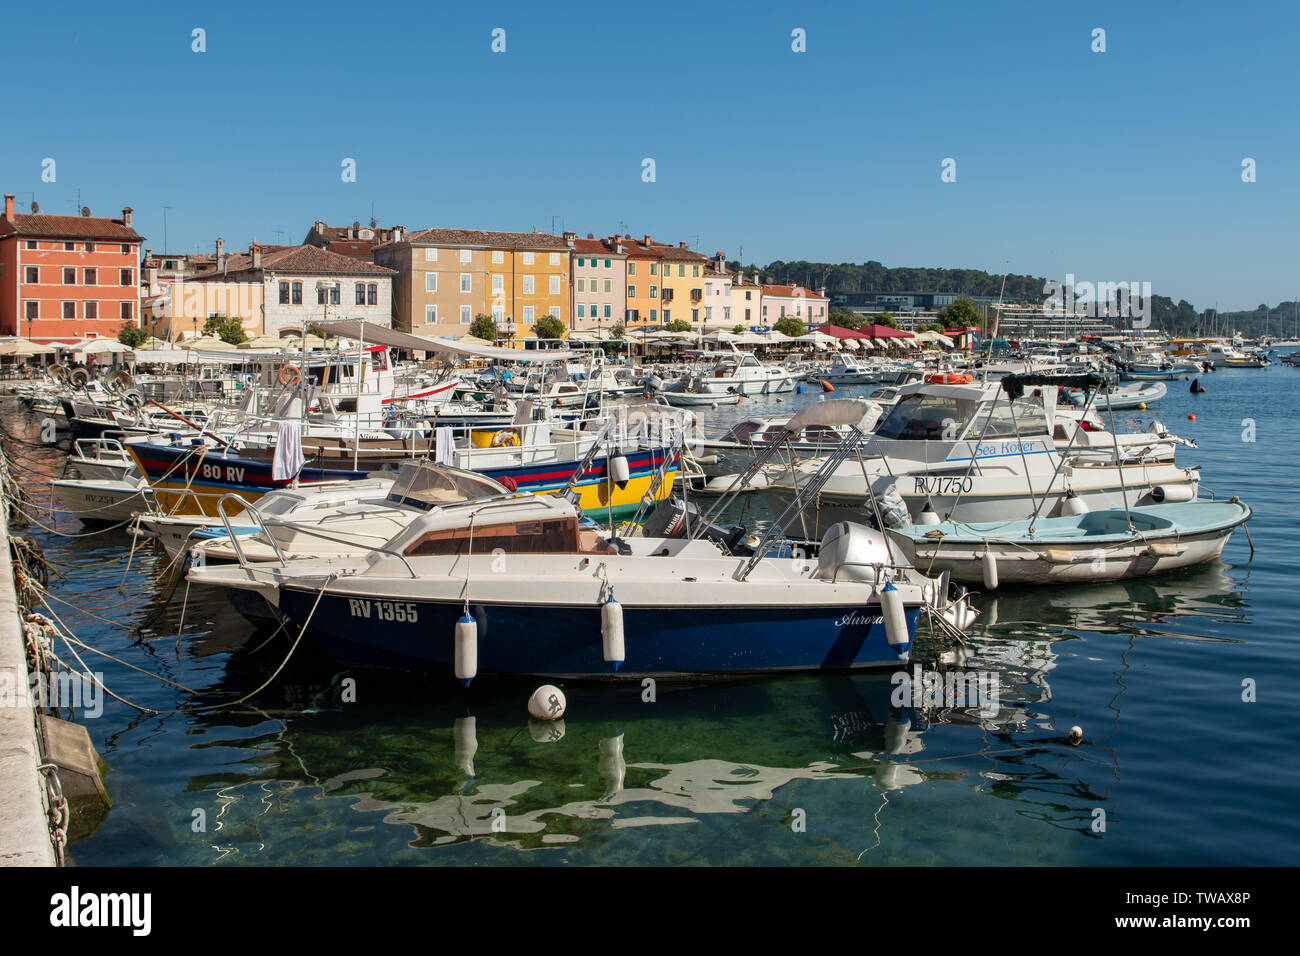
(695, 271)
(69, 310)
(334, 294)
(33, 244)
(607, 264)
(529, 258)
(126, 310)
(498, 314)
(555, 261)
(69, 247)
(69, 276)
(555, 311)
(92, 310)
(498, 256)
(126, 248)
(528, 314)
(582, 285)
(631, 315)
(668, 316)
(631, 268)
(33, 275)
(360, 290)
(708, 313)
(726, 313)
(654, 315)
(320, 295)
(654, 292)
(284, 293)
(528, 285)
(32, 309)
(695, 315)
(608, 286)
(765, 312)
(555, 285)
(681, 270)
(430, 315)
(126, 277)
(464, 315)
(464, 255)
(431, 282)
(372, 294)
(498, 284)
(297, 293)
(582, 311)
(607, 312)
(430, 255)
(90, 276)
(654, 268)
(580, 262)
(631, 292)
(747, 315)
(748, 295)
(90, 247)
(465, 281)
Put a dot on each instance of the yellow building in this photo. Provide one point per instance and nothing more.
(667, 284)
(446, 277)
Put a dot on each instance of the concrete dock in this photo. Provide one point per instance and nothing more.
(24, 826)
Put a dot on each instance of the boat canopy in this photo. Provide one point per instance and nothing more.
(374, 334)
(425, 484)
(1015, 385)
(835, 411)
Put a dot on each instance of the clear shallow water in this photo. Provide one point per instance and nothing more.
(712, 774)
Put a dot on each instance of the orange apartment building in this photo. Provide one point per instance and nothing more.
(665, 283)
(67, 277)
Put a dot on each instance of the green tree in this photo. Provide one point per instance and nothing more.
(131, 335)
(483, 328)
(618, 331)
(227, 328)
(960, 314)
(887, 319)
(738, 330)
(845, 319)
(678, 325)
(930, 327)
(548, 327)
(790, 326)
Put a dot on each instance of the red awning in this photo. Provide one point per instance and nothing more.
(883, 332)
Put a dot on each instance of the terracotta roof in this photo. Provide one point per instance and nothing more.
(792, 292)
(71, 227)
(596, 247)
(352, 247)
(304, 259)
(476, 237)
(662, 250)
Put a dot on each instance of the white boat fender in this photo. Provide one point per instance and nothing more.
(611, 631)
(891, 606)
(466, 652)
(612, 766)
(1162, 493)
(990, 563)
(1072, 504)
(619, 472)
(547, 703)
(927, 515)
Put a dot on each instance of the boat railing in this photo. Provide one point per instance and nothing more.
(878, 567)
(292, 526)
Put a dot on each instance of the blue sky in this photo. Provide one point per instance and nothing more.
(1123, 165)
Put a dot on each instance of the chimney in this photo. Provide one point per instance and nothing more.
(646, 241)
(591, 235)
(397, 233)
(126, 216)
(681, 245)
(570, 238)
(319, 227)
(255, 253)
(720, 262)
(221, 254)
(9, 206)
(756, 278)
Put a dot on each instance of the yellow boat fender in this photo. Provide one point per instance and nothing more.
(505, 439)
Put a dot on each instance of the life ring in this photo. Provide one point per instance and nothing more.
(505, 439)
(289, 375)
(948, 378)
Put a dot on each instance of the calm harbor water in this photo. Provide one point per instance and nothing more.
(801, 770)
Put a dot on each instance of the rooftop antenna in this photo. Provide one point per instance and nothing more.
(279, 236)
(164, 209)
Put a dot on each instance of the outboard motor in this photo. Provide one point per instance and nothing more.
(672, 519)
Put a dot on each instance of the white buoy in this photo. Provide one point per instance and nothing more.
(1076, 734)
(466, 648)
(990, 570)
(891, 606)
(611, 631)
(464, 739)
(1072, 504)
(619, 472)
(547, 703)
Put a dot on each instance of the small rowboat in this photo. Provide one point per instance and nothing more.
(1103, 545)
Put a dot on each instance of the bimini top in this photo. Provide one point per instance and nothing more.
(373, 334)
(834, 411)
(426, 484)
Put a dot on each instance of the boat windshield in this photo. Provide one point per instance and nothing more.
(926, 417)
(998, 419)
